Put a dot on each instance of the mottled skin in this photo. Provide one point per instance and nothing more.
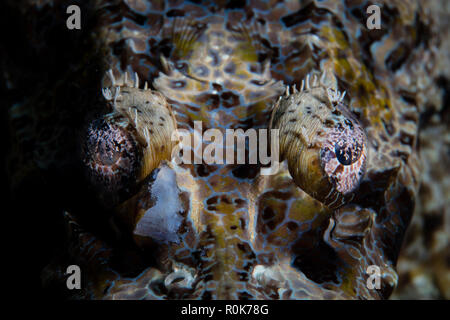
(243, 235)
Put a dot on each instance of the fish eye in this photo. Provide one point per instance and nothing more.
(123, 147)
(323, 143)
(347, 152)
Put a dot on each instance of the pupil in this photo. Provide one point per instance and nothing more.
(108, 156)
(347, 153)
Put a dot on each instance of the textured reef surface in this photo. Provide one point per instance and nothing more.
(363, 123)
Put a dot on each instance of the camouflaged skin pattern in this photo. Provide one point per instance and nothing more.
(243, 235)
(423, 265)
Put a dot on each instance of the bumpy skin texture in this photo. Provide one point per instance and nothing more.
(225, 231)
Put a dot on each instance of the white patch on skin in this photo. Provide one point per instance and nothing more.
(258, 272)
(162, 221)
(181, 277)
(264, 275)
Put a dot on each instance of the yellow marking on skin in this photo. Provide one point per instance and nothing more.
(285, 234)
(222, 184)
(243, 53)
(232, 219)
(258, 108)
(307, 209)
(240, 112)
(242, 74)
(225, 208)
(195, 116)
(200, 86)
(186, 48)
(373, 102)
(237, 85)
(226, 256)
(348, 285)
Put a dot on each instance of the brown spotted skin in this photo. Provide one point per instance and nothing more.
(224, 231)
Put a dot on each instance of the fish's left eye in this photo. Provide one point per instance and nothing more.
(343, 154)
(324, 144)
